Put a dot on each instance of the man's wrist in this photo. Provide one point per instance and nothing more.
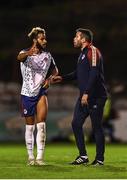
(28, 53)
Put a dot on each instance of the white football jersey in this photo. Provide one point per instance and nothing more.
(34, 70)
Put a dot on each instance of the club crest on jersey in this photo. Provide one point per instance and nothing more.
(25, 111)
(95, 106)
(83, 56)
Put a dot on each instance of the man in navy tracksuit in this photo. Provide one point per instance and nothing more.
(93, 94)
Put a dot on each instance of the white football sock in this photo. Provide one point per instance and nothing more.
(29, 138)
(40, 139)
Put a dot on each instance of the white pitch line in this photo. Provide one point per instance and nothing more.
(11, 167)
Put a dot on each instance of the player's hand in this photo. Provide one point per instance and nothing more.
(46, 84)
(84, 100)
(33, 50)
(56, 79)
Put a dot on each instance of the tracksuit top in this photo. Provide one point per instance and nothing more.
(89, 73)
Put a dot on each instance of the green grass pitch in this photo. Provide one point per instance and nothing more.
(57, 157)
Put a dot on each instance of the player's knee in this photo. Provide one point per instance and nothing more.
(98, 129)
(76, 124)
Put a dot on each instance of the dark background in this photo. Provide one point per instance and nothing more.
(60, 18)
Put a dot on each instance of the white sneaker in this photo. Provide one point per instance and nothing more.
(30, 162)
(39, 162)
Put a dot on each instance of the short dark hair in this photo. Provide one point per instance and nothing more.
(35, 31)
(86, 33)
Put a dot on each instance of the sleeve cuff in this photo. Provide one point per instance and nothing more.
(86, 92)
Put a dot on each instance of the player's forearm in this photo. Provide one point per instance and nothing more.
(48, 81)
(55, 71)
(70, 76)
(22, 57)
